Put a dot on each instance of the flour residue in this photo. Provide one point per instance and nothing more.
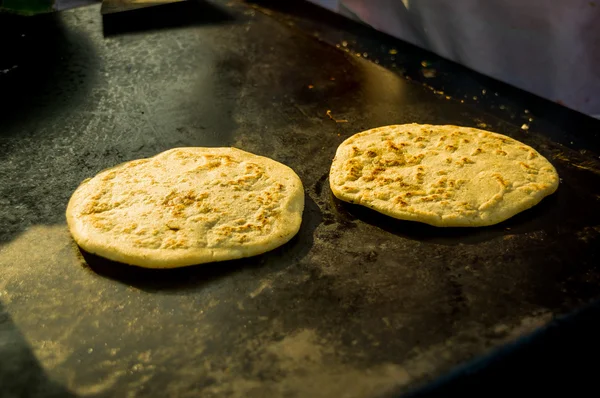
(306, 365)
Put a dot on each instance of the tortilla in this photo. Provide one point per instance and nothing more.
(187, 206)
(445, 176)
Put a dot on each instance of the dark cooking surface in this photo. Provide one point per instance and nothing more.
(356, 304)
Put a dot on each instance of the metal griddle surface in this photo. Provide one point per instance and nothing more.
(356, 304)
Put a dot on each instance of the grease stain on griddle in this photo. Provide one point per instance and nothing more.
(583, 164)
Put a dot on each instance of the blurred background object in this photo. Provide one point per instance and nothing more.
(549, 48)
(33, 7)
(27, 7)
(113, 6)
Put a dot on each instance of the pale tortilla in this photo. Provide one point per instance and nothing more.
(446, 176)
(187, 206)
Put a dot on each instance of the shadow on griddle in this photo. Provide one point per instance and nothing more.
(530, 220)
(164, 16)
(175, 278)
(21, 374)
(196, 276)
(46, 67)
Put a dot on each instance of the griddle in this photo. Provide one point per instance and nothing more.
(357, 304)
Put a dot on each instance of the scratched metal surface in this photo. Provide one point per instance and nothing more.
(355, 305)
